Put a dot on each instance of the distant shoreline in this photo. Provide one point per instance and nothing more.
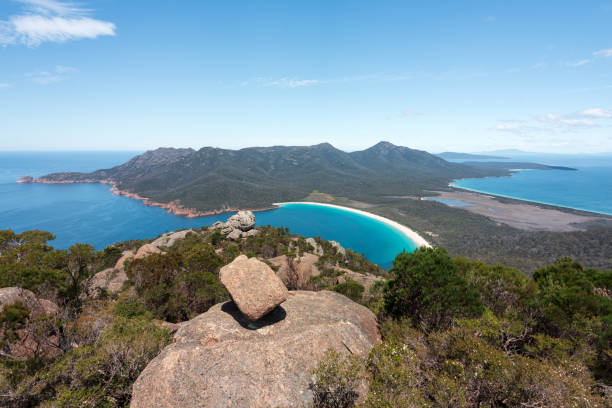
(412, 235)
(453, 184)
(532, 202)
(173, 207)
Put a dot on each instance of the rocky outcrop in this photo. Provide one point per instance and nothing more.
(127, 255)
(110, 280)
(34, 339)
(295, 272)
(168, 239)
(242, 220)
(365, 279)
(217, 361)
(254, 287)
(38, 307)
(339, 248)
(239, 225)
(26, 179)
(146, 250)
(318, 250)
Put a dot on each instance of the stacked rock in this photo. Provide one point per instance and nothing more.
(254, 287)
(239, 225)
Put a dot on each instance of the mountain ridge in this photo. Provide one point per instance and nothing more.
(215, 179)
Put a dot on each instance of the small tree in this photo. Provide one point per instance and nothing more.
(79, 257)
(426, 286)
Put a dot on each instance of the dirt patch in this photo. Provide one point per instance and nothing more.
(525, 216)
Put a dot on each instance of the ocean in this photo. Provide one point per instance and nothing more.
(90, 213)
(588, 189)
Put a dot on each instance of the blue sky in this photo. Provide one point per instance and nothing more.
(435, 75)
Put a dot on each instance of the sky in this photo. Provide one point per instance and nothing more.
(433, 75)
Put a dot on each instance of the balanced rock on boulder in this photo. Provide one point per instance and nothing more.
(216, 360)
(253, 285)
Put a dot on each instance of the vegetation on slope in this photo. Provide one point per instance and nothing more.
(377, 177)
(102, 341)
(211, 179)
(456, 333)
(465, 334)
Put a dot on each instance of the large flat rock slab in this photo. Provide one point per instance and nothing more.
(218, 361)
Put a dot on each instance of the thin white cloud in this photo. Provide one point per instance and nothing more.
(578, 63)
(59, 74)
(490, 19)
(51, 21)
(62, 69)
(596, 113)
(293, 82)
(47, 7)
(4, 85)
(518, 128)
(566, 121)
(289, 82)
(603, 53)
(553, 123)
(507, 127)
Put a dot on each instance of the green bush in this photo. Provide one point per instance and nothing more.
(351, 289)
(336, 379)
(427, 287)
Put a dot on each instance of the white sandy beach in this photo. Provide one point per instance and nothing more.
(413, 236)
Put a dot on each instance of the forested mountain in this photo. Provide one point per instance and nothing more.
(212, 178)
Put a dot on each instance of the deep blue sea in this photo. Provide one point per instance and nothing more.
(588, 189)
(90, 213)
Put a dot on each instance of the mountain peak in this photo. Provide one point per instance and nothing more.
(383, 145)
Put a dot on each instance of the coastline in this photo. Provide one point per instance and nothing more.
(532, 202)
(412, 235)
(173, 207)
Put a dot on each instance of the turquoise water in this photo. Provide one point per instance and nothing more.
(588, 189)
(90, 213)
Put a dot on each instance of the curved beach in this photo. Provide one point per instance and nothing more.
(412, 235)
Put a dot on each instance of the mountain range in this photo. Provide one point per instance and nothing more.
(213, 178)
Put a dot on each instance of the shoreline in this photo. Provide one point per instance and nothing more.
(519, 214)
(532, 202)
(412, 235)
(173, 207)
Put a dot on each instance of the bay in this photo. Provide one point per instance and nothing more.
(90, 213)
(588, 189)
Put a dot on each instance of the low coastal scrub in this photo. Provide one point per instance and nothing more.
(465, 334)
(456, 333)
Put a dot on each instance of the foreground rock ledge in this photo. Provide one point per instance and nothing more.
(217, 361)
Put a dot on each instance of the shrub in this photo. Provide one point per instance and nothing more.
(351, 289)
(426, 286)
(336, 379)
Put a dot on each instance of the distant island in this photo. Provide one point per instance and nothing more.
(208, 181)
